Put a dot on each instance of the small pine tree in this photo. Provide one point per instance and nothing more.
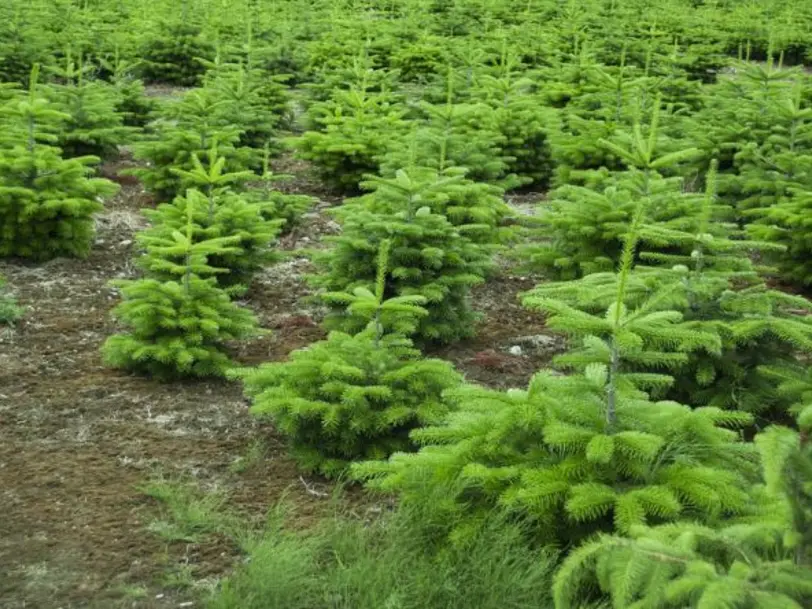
(455, 135)
(256, 103)
(216, 213)
(585, 226)
(188, 129)
(95, 127)
(774, 187)
(706, 275)
(355, 131)
(46, 202)
(356, 397)
(476, 207)
(178, 328)
(175, 54)
(135, 108)
(524, 123)
(429, 257)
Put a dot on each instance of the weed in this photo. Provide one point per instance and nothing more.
(188, 514)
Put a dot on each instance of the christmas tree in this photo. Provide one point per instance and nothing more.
(178, 328)
(47, 202)
(357, 397)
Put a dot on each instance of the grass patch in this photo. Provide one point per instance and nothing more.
(255, 453)
(391, 563)
(10, 312)
(189, 514)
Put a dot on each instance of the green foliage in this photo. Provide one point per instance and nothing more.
(707, 278)
(175, 54)
(590, 451)
(555, 457)
(456, 135)
(585, 225)
(216, 212)
(350, 398)
(476, 208)
(745, 119)
(46, 202)
(388, 562)
(133, 105)
(94, 126)
(254, 102)
(356, 397)
(778, 180)
(753, 563)
(178, 328)
(188, 515)
(429, 257)
(22, 46)
(10, 312)
(188, 129)
(354, 131)
(523, 122)
(275, 204)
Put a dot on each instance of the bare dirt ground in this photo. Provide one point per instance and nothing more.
(77, 439)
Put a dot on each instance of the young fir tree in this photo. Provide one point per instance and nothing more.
(47, 202)
(175, 54)
(587, 452)
(256, 102)
(95, 127)
(351, 398)
(761, 562)
(429, 257)
(739, 117)
(777, 182)
(135, 107)
(523, 121)
(187, 129)
(22, 46)
(455, 135)
(216, 212)
(601, 103)
(726, 295)
(178, 328)
(585, 226)
(476, 207)
(768, 170)
(354, 131)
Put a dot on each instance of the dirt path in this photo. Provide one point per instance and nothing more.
(76, 439)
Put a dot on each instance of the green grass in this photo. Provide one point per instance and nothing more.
(390, 562)
(188, 514)
(254, 454)
(9, 310)
(387, 564)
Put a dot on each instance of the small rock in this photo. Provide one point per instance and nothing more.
(515, 350)
(540, 342)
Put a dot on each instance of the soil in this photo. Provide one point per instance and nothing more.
(77, 439)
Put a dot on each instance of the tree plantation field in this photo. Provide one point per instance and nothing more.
(429, 304)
